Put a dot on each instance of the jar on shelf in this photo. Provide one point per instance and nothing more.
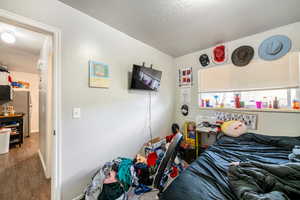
(296, 104)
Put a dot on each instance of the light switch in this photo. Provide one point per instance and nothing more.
(76, 113)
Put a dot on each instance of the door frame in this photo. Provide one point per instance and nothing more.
(18, 20)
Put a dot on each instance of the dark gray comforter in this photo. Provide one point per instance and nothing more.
(258, 181)
(206, 178)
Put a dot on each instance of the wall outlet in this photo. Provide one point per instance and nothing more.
(76, 113)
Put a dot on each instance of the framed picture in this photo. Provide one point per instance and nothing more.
(98, 75)
(185, 77)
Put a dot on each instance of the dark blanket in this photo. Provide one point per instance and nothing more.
(207, 179)
(258, 181)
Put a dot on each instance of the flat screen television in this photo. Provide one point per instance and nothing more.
(144, 78)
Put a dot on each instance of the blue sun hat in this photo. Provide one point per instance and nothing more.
(274, 47)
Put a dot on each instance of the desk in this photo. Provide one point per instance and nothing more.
(14, 122)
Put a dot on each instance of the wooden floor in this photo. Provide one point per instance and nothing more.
(21, 173)
(149, 196)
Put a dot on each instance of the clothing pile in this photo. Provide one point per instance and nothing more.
(144, 175)
(124, 179)
(120, 179)
(112, 181)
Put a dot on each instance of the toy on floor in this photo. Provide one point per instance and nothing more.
(140, 159)
(189, 131)
(175, 129)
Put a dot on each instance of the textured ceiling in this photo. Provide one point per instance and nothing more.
(24, 54)
(179, 27)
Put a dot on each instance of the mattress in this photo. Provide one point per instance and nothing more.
(206, 178)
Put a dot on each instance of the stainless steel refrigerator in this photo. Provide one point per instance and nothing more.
(22, 104)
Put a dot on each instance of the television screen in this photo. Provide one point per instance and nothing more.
(144, 78)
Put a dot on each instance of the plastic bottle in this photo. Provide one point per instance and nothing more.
(202, 103)
(237, 101)
(222, 104)
(265, 102)
(270, 104)
(276, 103)
(216, 97)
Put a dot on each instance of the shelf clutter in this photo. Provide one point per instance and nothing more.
(280, 110)
(14, 122)
(238, 101)
(20, 84)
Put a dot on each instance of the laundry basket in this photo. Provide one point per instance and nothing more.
(4, 140)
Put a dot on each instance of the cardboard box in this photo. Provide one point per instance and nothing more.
(154, 145)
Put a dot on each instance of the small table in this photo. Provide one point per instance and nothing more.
(14, 122)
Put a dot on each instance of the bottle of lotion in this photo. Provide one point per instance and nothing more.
(275, 103)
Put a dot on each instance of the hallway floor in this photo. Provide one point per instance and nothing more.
(149, 196)
(21, 173)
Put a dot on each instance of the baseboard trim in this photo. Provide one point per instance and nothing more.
(34, 131)
(43, 163)
(78, 197)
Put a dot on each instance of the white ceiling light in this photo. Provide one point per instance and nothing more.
(8, 37)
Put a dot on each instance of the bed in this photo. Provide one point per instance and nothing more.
(206, 178)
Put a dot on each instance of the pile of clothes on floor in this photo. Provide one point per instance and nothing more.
(126, 179)
(112, 181)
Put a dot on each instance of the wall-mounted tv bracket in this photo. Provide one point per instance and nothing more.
(151, 66)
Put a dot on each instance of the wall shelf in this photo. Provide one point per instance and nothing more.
(281, 110)
(20, 89)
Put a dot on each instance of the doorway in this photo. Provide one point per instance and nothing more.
(36, 158)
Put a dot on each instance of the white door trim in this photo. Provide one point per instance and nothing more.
(56, 140)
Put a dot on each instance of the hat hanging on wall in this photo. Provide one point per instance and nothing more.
(242, 55)
(184, 110)
(204, 60)
(274, 47)
(219, 54)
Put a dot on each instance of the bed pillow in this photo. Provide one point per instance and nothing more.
(234, 128)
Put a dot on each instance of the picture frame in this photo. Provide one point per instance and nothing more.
(186, 77)
(99, 75)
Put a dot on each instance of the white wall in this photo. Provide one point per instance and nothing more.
(18, 60)
(268, 123)
(113, 121)
(33, 79)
